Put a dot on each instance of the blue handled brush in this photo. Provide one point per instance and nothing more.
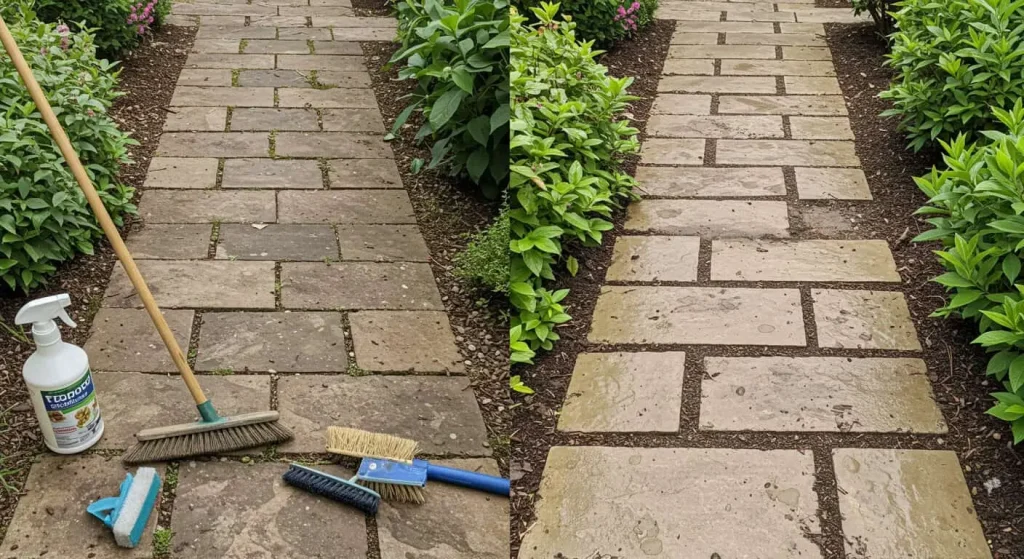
(398, 481)
(334, 488)
(128, 513)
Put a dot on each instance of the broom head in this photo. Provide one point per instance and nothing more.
(238, 432)
(364, 444)
(394, 481)
(334, 488)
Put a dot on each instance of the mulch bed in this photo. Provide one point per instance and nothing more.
(372, 8)
(147, 80)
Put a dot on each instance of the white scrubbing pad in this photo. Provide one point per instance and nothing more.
(137, 507)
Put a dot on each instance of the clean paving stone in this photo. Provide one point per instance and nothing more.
(697, 182)
(716, 26)
(340, 63)
(313, 243)
(681, 37)
(382, 243)
(715, 126)
(624, 392)
(454, 523)
(863, 320)
(360, 34)
(698, 315)
(831, 184)
(815, 105)
(777, 68)
(174, 172)
(806, 53)
(789, 39)
(805, 260)
(688, 67)
(199, 9)
(810, 85)
(440, 413)
(676, 104)
(359, 285)
(674, 502)
(760, 15)
(334, 145)
(305, 33)
(224, 21)
(274, 119)
(188, 96)
(328, 98)
(820, 394)
(310, 11)
(170, 241)
(813, 153)
(286, 342)
(197, 284)
(352, 120)
(717, 84)
(829, 15)
(277, 47)
(709, 218)
(408, 341)
(687, 14)
(657, 151)
(272, 173)
(211, 78)
(816, 28)
(347, 22)
(126, 340)
(820, 128)
(654, 258)
(231, 61)
(216, 46)
(721, 51)
(50, 519)
(274, 78)
(345, 206)
(351, 48)
(196, 119)
(211, 30)
(278, 21)
(349, 80)
(364, 173)
(214, 144)
(232, 510)
(203, 206)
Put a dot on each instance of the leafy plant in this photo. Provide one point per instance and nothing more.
(117, 25)
(485, 259)
(601, 21)
(879, 10)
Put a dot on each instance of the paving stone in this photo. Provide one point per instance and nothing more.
(624, 392)
(816, 28)
(213, 31)
(216, 46)
(673, 502)
(830, 394)
(232, 510)
(863, 319)
(820, 128)
(353, 120)
(413, 341)
(822, 105)
(653, 258)
(189, 96)
(305, 33)
(360, 34)
(347, 22)
(313, 243)
(809, 260)
(272, 173)
(231, 61)
(198, 9)
(694, 182)
(310, 11)
(286, 342)
(348, 80)
(656, 151)
(832, 184)
(182, 21)
(172, 172)
(715, 126)
(688, 14)
(688, 67)
(328, 98)
(809, 85)
(789, 39)
(279, 21)
(274, 46)
(698, 315)
(273, 78)
(50, 519)
(197, 284)
(721, 51)
(717, 84)
(454, 523)
(345, 206)
(806, 53)
(131, 402)
(225, 21)
(812, 153)
(715, 26)
(350, 48)
(684, 38)
(198, 119)
(321, 62)
(777, 68)
(827, 15)
(440, 413)
(211, 78)
(709, 218)
(359, 285)
(382, 243)
(274, 119)
(213, 144)
(760, 15)
(675, 104)
(346, 3)
(173, 241)
(126, 340)
(364, 173)
(202, 206)
(906, 503)
(341, 145)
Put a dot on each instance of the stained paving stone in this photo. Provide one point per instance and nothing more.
(359, 285)
(211, 30)
(328, 98)
(804, 260)
(171, 241)
(777, 68)
(360, 34)
(816, 28)
(382, 243)
(188, 96)
(695, 182)
(806, 53)
(440, 413)
(454, 523)
(721, 51)
(667, 502)
(624, 392)
(272, 173)
(715, 26)
(698, 315)
(906, 503)
(197, 284)
(320, 62)
(819, 105)
(348, 80)
(340, 145)
(203, 206)
(167, 401)
(313, 243)
(831, 184)
(364, 173)
(684, 38)
(709, 218)
(278, 21)
(273, 78)
(216, 46)
(788, 39)
(316, 11)
(717, 84)
(657, 151)
(213, 78)
(246, 119)
(414, 341)
(241, 511)
(688, 67)
(338, 47)
(827, 15)
(352, 120)
(50, 519)
(347, 22)
(226, 21)
(715, 126)
(830, 394)
(200, 9)
(286, 342)
(811, 153)
(277, 47)
(231, 61)
(820, 128)
(198, 119)
(345, 206)
(214, 144)
(653, 258)
(305, 34)
(173, 172)
(688, 14)
(760, 15)
(810, 85)
(863, 319)
(677, 104)
(126, 340)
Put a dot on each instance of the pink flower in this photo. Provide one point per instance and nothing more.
(64, 43)
(42, 51)
(63, 29)
(90, 112)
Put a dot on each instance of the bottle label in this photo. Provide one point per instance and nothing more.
(73, 412)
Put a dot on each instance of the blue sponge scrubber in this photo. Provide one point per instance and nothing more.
(128, 513)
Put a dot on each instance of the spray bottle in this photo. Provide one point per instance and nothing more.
(59, 380)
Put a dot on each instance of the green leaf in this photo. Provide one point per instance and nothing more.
(477, 163)
(445, 107)
(1000, 362)
(1017, 373)
(1011, 267)
(516, 383)
(997, 337)
(480, 129)
(953, 279)
(572, 265)
(463, 79)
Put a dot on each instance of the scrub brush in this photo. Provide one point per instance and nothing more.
(334, 488)
(128, 513)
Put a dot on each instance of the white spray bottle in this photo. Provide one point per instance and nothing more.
(59, 380)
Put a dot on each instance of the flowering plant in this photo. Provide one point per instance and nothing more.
(628, 16)
(143, 15)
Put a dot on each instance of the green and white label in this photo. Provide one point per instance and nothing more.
(73, 412)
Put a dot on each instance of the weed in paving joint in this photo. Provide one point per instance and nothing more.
(162, 543)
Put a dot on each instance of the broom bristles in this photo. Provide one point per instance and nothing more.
(364, 444)
(397, 493)
(227, 439)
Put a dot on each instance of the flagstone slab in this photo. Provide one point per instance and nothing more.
(821, 394)
(328, 46)
(816, 28)
(285, 342)
(278, 21)
(829, 15)
(212, 78)
(831, 184)
(359, 33)
(197, 284)
(624, 392)
(126, 340)
(906, 503)
(714, 126)
(382, 243)
(709, 218)
(716, 26)
(48, 508)
(805, 52)
(232, 510)
(695, 182)
(200, 9)
(677, 104)
(311, 11)
(335, 97)
(760, 15)
(698, 315)
(181, 172)
(688, 14)
(227, 21)
(340, 63)
(807, 153)
(348, 22)
(189, 96)
(197, 119)
(805, 260)
(777, 68)
(216, 46)
(352, 120)
(274, 78)
(788, 39)
(272, 173)
(170, 241)
(820, 105)
(247, 119)
(305, 33)
(681, 37)
(654, 258)
(660, 151)
(863, 319)
(812, 85)
(669, 502)
(411, 341)
(440, 413)
(280, 242)
(214, 144)
(688, 67)
(364, 173)
(717, 84)
(721, 51)
(359, 285)
(203, 206)
(275, 46)
(211, 30)
(231, 61)
(345, 206)
(348, 80)
(820, 128)
(333, 145)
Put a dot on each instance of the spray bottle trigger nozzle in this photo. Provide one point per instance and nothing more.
(63, 314)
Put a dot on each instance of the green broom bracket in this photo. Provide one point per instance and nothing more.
(209, 414)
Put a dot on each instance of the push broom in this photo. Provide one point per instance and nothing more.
(212, 433)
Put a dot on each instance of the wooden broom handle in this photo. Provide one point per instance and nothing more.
(101, 213)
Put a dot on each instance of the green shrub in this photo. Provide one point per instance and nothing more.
(569, 136)
(118, 25)
(485, 259)
(600, 20)
(44, 218)
(457, 51)
(879, 10)
(954, 60)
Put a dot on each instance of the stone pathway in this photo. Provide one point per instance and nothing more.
(749, 123)
(279, 239)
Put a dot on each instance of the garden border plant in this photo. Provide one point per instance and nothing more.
(603, 21)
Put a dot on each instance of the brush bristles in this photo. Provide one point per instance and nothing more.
(318, 483)
(364, 444)
(217, 441)
(397, 493)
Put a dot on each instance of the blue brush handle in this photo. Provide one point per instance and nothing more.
(466, 478)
